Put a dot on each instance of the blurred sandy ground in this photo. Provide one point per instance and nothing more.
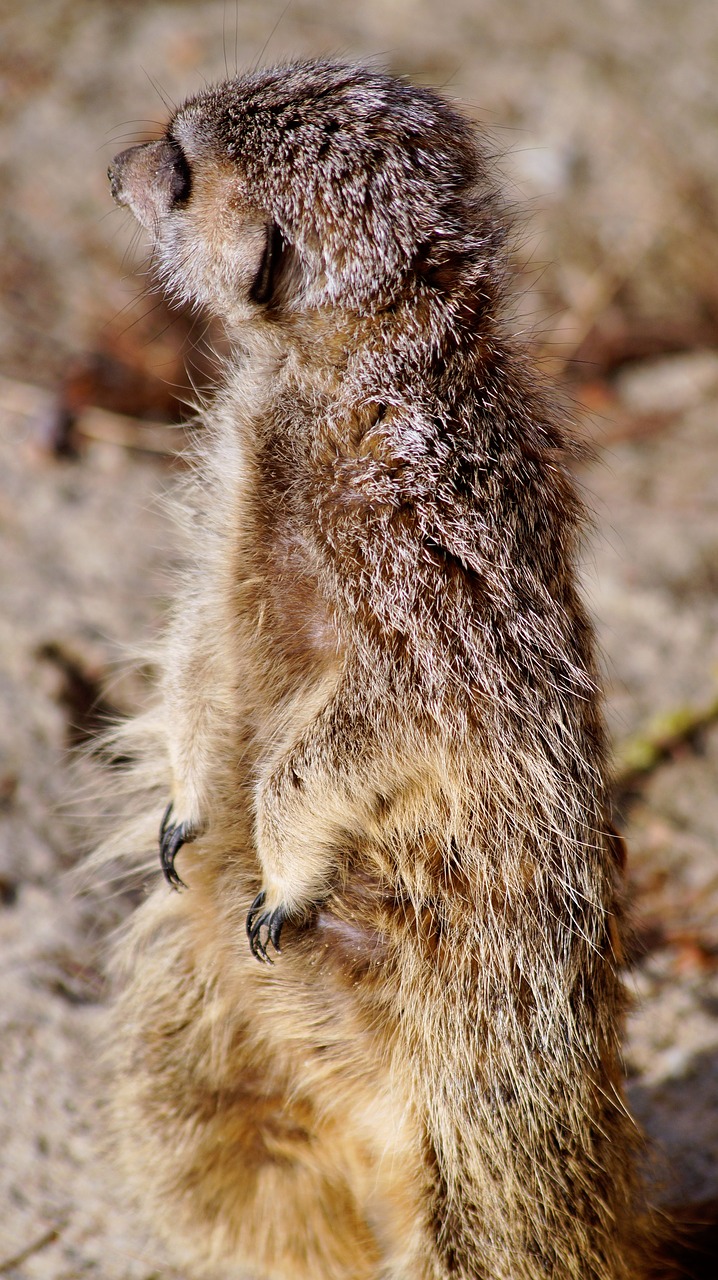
(604, 119)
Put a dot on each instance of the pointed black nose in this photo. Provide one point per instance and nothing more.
(116, 171)
(114, 181)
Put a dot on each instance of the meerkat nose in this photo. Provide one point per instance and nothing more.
(114, 178)
(116, 173)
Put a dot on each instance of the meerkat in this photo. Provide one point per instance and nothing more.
(374, 1035)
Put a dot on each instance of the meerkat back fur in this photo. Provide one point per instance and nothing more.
(378, 733)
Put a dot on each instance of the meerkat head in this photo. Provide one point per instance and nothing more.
(309, 186)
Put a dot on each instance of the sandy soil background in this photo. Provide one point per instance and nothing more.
(604, 119)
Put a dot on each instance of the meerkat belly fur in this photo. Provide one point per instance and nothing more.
(379, 732)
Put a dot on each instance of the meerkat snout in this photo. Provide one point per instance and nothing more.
(150, 180)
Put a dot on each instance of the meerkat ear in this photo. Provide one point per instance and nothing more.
(272, 280)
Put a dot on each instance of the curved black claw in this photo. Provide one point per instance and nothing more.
(257, 920)
(172, 837)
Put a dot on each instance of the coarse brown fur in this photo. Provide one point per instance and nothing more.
(379, 706)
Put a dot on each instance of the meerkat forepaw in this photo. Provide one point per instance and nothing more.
(172, 836)
(271, 920)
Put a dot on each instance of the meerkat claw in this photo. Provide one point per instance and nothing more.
(272, 921)
(172, 837)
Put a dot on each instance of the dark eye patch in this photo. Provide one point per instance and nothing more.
(178, 174)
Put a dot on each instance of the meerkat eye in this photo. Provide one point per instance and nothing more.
(179, 176)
